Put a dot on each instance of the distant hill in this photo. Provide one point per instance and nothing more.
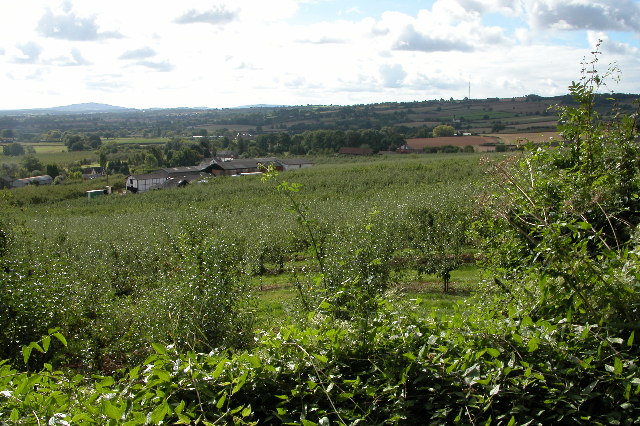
(84, 108)
(88, 107)
(259, 106)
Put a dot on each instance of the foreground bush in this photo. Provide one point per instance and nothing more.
(470, 369)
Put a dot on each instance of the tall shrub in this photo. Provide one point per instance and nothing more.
(558, 225)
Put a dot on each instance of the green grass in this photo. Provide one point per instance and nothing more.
(53, 155)
(271, 305)
(428, 293)
(47, 148)
(136, 141)
(275, 292)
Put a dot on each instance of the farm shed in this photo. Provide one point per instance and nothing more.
(90, 173)
(164, 178)
(94, 193)
(144, 182)
(180, 176)
(34, 180)
(219, 167)
(294, 163)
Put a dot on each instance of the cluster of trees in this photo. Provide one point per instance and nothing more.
(189, 152)
(326, 141)
(81, 142)
(16, 149)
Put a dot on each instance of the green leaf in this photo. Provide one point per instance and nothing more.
(241, 380)
(60, 338)
(162, 375)
(107, 381)
(409, 355)
(160, 350)
(321, 358)
(617, 366)
(26, 353)
(325, 305)
(134, 373)
(46, 340)
(36, 346)
(112, 410)
(532, 345)
(219, 369)
(140, 418)
(495, 390)
(493, 352)
(630, 340)
(221, 401)
(160, 412)
(458, 417)
(15, 415)
(247, 411)
(184, 420)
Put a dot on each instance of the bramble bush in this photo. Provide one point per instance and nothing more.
(558, 229)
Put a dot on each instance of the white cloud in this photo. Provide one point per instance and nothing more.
(29, 53)
(609, 46)
(230, 52)
(75, 59)
(216, 16)
(413, 40)
(617, 15)
(142, 53)
(68, 26)
(162, 66)
(392, 75)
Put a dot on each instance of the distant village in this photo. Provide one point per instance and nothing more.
(227, 163)
(224, 165)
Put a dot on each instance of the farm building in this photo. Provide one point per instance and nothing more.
(89, 173)
(220, 167)
(170, 177)
(227, 155)
(294, 163)
(164, 178)
(34, 180)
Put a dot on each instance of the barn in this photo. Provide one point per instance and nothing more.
(164, 178)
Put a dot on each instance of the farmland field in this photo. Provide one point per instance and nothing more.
(137, 141)
(400, 289)
(53, 153)
(517, 138)
(47, 148)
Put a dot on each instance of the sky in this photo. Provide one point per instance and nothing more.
(228, 53)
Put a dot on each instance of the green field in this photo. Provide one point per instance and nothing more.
(137, 141)
(53, 153)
